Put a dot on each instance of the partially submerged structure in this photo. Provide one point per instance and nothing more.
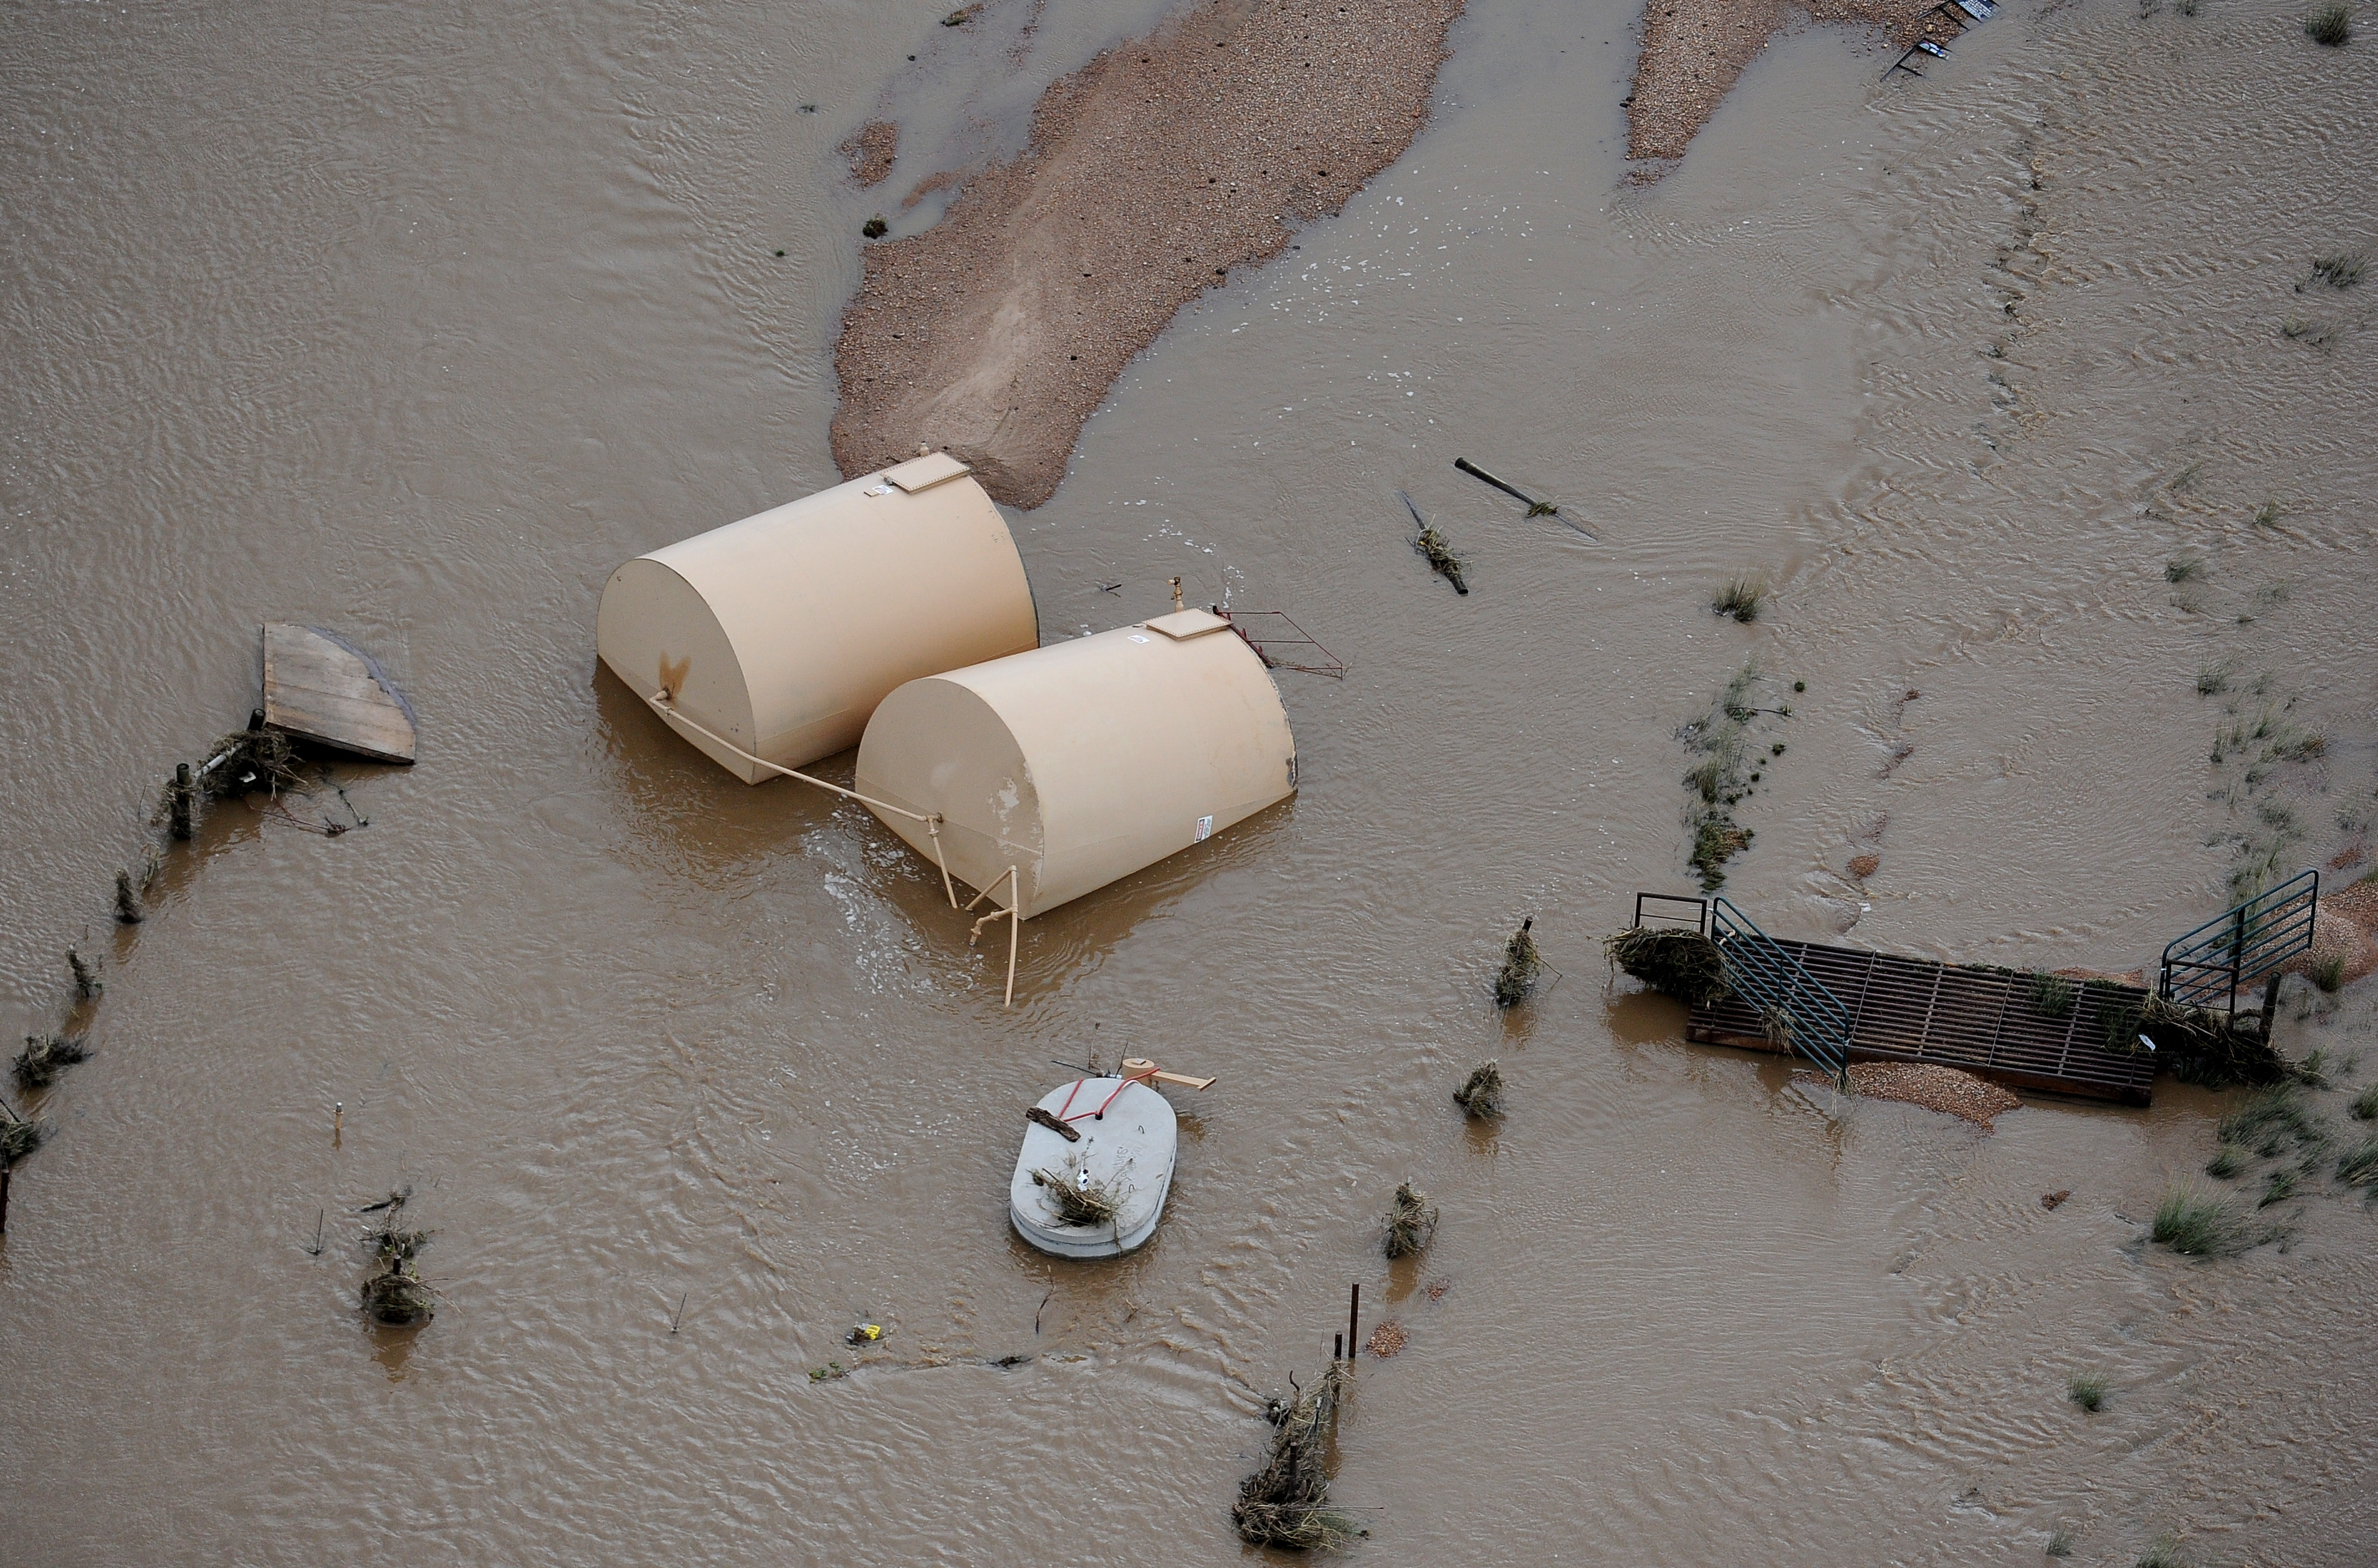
(1097, 1162)
(1053, 773)
(772, 640)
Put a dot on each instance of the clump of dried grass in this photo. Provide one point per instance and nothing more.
(1411, 1222)
(1683, 964)
(46, 1056)
(2331, 27)
(1077, 1200)
(1522, 965)
(1286, 1504)
(1482, 1095)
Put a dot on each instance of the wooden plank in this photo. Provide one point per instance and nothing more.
(319, 687)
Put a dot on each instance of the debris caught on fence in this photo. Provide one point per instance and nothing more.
(396, 1295)
(1521, 966)
(1683, 964)
(87, 986)
(46, 1056)
(19, 1135)
(1411, 1222)
(1286, 1503)
(1482, 1095)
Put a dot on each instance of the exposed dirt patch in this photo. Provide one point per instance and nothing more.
(1149, 173)
(870, 150)
(1694, 50)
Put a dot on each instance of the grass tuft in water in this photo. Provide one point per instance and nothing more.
(2197, 1226)
(2358, 1168)
(2088, 1390)
(2271, 1120)
(2338, 270)
(2279, 1187)
(2365, 1105)
(2059, 1543)
(2229, 1160)
(2163, 1553)
(2052, 995)
(1743, 597)
(19, 1137)
(2331, 26)
(2183, 569)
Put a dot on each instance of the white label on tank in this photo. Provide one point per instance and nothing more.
(1204, 829)
(1137, 638)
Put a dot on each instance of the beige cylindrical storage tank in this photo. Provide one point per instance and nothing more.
(780, 634)
(1082, 762)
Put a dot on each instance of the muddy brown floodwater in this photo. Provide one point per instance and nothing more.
(416, 325)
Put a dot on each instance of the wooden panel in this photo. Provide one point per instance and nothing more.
(319, 687)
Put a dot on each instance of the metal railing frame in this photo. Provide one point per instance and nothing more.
(1771, 978)
(2241, 945)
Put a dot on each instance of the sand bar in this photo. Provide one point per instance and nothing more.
(1148, 174)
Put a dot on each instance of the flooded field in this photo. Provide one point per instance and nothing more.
(415, 325)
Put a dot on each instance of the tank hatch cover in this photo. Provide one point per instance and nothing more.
(1184, 625)
(920, 473)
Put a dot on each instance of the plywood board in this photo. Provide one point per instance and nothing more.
(319, 687)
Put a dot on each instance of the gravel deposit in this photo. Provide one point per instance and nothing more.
(870, 150)
(1147, 176)
(1945, 1090)
(1695, 50)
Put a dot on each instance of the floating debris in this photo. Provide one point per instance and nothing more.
(1482, 1096)
(875, 227)
(1076, 1198)
(865, 1333)
(1674, 962)
(829, 1372)
(1522, 965)
(1411, 1222)
(1385, 1339)
(1535, 508)
(1286, 1503)
(46, 1056)
(2054, 1200)
(1441, 559)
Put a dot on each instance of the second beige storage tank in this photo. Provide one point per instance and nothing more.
(1083, 761)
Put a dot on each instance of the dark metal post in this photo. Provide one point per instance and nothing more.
(1338, 1347)
(2236, 957)
(1354, 1320)
(2271, 1006)
(3, 1199)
